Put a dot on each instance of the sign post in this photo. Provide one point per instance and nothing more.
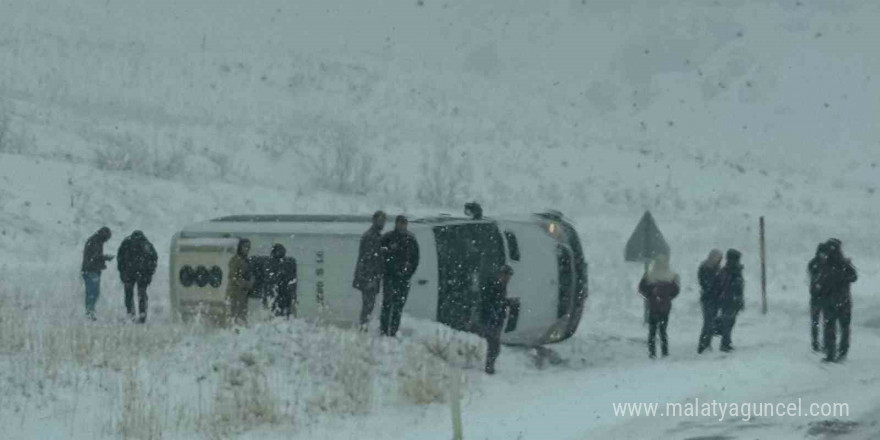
(763, 269)
(645, 244)
(455, 403)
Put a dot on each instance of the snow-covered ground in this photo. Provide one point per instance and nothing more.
(151, 115)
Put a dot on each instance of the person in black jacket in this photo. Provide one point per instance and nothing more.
(837, 276)
(401, 254)
(814, 270)
(492, 306)
(369, 267)
(258, 271)
(94, 262)
(137, 264)
(282, 281)
(708, 278)
(730, 298)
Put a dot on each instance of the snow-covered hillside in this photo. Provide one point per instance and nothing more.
(151, 115)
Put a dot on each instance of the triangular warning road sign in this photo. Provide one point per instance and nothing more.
(646, 242)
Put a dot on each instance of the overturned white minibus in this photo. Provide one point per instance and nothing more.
(550, 280)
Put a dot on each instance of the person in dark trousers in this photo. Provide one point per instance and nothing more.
(240, 283)
(731, 299)
(659, 287)
(282, 281)
(817, 297)
(400, 251)
(136, 261)
(708, 278)
(492, 307)
(94, 262)
(258, 272)
(838, 274)
(369, 268)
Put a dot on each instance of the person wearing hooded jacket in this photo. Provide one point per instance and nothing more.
(659, 287)
(282, 281)
(94, 262)
(708, 276)
(816, 275)
(136, 261)
(731, 300)
(838, 274)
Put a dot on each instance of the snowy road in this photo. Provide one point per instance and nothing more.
(772, 364)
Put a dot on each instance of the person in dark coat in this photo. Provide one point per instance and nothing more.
(136, 262)
(817, 297)
(708, 278)
(240, 283)
(258, 272)
(838, 275)
(400, 251)
(659, 287)
(731, 299)
(369, 268)
(282, 281)
(492, 308)
(94, 262)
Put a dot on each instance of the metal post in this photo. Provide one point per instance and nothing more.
(455, 403)
(763, 269)
(647, 312)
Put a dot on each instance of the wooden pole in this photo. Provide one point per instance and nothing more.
(763, 269)
(455, 403)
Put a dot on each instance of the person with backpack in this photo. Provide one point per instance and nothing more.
(136, 262)
(731, 300)
(659, 287)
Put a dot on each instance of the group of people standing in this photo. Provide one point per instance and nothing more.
(273, 278)
(136, 261)
(721, 298)
(385, 262)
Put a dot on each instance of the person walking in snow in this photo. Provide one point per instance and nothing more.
(817, 297)
(240, 283)
(838, 274)
(369, 267)
(136, 261)
(282, 281)
(492, 305)
(708, 276)
(659, 287)
(94, 262)
(731, 299)
(400, 252)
